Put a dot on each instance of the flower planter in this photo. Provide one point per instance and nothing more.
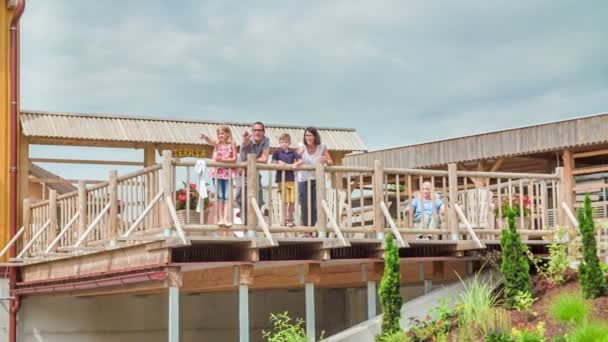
(195, 217)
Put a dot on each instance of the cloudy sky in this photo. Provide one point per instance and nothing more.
(400, 72)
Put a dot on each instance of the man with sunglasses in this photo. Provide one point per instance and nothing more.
(256, 143)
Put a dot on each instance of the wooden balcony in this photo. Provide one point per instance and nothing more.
(128, 231)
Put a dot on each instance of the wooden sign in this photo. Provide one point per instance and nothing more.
(189, 152)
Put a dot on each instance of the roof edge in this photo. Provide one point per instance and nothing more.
(481, 134)
(151, 118)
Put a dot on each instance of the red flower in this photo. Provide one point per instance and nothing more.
(182, 196)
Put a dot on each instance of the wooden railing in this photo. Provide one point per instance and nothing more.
(347, 202)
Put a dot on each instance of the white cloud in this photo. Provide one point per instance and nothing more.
(386, 68)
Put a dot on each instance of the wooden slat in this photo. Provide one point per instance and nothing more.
(392, 226)
(262, 222)
(334, 225)
(85, 161)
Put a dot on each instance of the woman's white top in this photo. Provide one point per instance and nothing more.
(311, 160)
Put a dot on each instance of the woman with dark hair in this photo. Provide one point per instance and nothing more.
(312, 152)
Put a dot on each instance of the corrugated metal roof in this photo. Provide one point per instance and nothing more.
(518, 141)
(41, 173)
(166, 131)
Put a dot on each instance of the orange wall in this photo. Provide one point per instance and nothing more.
(5, 17)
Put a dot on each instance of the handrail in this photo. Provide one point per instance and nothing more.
(67, 195)
(277, 167)
(12, 241)
(39, 204)
(210, 163)
(393, 226)
(143, 215)
(34, 238)
(570, 214)
(60, 235)
(99, 186)
(468, 226)
(92, 225)
(512, 175)
(334, 225)
(415, 172)
(262, 222)
(178, 225)
(141, 172)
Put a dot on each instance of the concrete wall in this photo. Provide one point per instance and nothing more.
(4, 309)
(205, 317)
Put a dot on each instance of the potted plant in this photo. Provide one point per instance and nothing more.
(186, 209)
(516, 204)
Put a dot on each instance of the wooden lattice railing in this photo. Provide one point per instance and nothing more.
(347, 202)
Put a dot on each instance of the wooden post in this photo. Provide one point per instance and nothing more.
(378, 197)
(149, 155)
(453, 198)
(52, 215)
(82, 208)
(24, 170)
(113, 192)
(561, 217)
(27, 220)
(321, 216)
(149, 160)
(167, 185)
(568, 179)
(252, 188)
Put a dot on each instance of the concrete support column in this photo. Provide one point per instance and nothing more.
(174, 315)
(244, 313)
(428, 283)
(310, 274)
(243, 277)
(310, 311)
(371, 299)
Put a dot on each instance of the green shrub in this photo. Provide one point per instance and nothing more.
(526, 335)
(569, 308)
(593, 281)
(477, 310)
(284, 330)
(592, 332)
(390, 297)
(499, 337)
(559, 260)
(523, 301)
(514, 266)
(398, 336)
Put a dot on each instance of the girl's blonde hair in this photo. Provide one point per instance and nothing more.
(226, 129)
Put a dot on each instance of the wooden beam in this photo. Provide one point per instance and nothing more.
(590, 170)
(590, 154)
(453, 198)
(23, 173)
(85, 161)
(106, 261)
(568, 177)
(379, 223)
(497, 164)
(149, 155)
(62, 181)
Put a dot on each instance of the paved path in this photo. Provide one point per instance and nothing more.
(418, 307)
